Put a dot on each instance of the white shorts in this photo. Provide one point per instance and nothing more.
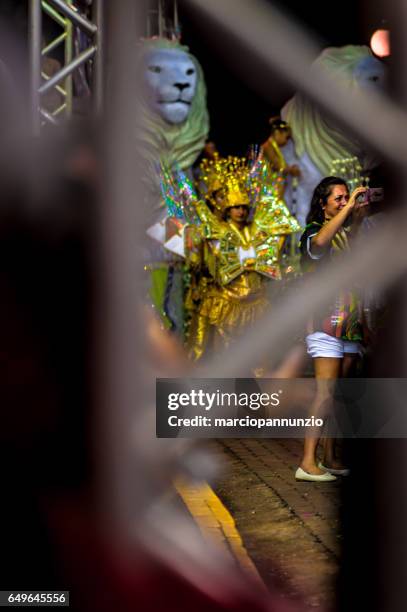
(320, 344)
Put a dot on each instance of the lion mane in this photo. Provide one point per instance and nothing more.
(313, 132)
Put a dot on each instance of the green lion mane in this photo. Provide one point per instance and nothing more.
(313, 131)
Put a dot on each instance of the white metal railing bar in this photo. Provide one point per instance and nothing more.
(35, 27)
(48, 9)
(76, 18)
(59, 89)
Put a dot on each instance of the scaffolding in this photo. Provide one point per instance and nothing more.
(71, 22)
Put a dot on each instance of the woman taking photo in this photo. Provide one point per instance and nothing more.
(334, 337)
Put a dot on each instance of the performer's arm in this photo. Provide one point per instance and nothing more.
(275, 162)
(211, 225)
(273, 217)
(193, 242)
(271, 155)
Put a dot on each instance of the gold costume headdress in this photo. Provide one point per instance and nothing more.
(233, 177)
(209, 178)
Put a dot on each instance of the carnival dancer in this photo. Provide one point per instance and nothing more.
(334, 338)
(284, 176)
(280, 134)
(239, 254)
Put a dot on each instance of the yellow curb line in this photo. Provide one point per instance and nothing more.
(216, 523)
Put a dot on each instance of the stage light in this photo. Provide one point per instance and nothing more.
(380, 43)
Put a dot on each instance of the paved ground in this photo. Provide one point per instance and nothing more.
(218, 525)
(290, 529)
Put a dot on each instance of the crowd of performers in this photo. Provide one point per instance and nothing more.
(233, 225)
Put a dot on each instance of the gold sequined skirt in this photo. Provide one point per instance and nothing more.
(225, 312)
(234, 315)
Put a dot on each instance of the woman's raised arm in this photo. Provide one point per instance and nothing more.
(323, 238)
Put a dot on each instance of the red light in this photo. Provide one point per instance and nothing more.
(380, 43)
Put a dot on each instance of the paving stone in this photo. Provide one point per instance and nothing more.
(290, 529)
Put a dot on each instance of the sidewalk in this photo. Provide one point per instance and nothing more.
(290, 529)
(217, 525)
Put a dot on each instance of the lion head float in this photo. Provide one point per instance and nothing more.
(318, 142)
(174, 119)
(173, 126)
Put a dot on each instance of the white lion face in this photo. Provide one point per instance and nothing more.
(171, 80)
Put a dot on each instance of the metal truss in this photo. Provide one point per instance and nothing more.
(67, 16)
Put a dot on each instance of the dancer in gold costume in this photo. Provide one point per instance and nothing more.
(237, 254)
(279, 170)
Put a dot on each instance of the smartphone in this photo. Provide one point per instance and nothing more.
(374, 194)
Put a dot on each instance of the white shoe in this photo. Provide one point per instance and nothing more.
(301, 474)
(344, 472)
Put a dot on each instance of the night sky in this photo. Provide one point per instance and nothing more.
(238, 109)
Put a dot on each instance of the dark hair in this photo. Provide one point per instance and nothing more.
(276, 123)
(321, 193)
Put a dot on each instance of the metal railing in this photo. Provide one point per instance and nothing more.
(268, 36)
(66, 15)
